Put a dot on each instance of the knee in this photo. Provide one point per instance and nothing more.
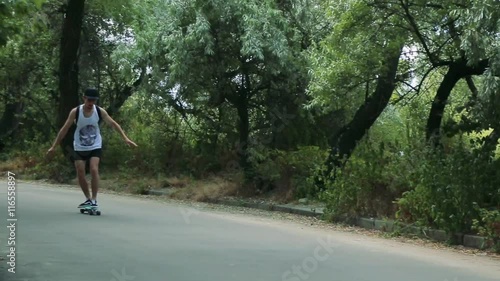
(94, 170)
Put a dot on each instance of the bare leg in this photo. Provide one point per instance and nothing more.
(80, 171)
(94, 171)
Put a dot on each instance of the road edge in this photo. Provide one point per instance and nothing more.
(388, 226)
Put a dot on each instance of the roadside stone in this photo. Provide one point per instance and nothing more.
(474, 241)
(366, 223)
(303, 201)
(159, 192)
(438, 235)
(383, 225)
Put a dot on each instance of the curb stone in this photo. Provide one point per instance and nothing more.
(384, 225)
(471, 241)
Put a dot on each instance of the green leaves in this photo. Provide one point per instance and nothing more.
(39, 3)
(202, 44)
(480, 23)
(348, 60)
(12, 17)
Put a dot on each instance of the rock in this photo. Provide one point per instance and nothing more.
(303, 201)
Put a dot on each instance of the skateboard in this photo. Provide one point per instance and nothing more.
(90, 210)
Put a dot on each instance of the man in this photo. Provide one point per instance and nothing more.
(87, 141)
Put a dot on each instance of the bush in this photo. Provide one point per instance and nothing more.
(159, 151)
(450, 186)
(287, 170)
(371, 180)
(488, 225)
(31, 162)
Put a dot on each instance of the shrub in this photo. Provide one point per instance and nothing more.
(450, 186)
(287, 170)
(488, 225)
(371, 180)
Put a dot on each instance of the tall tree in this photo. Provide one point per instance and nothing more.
(69, 67)
(356, 69)
(19, 59)
(107, 35)
(212, 53)
(459, 38)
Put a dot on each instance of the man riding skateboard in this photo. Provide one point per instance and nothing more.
(87, 141)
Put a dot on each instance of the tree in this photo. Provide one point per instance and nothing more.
(358, 63)
(212, 53)
(69, 67)
(19, 22)
(460, 38)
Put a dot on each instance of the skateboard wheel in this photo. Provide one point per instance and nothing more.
(98, 213)
(82, 211)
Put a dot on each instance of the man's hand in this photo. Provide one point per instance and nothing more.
(130, 143)
(51, 152)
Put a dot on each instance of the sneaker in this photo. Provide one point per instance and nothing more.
(85, 204)
(94, 205)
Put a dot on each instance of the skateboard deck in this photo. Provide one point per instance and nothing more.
(90, 210)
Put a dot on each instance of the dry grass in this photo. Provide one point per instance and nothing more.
(219, 187)
(206, 190)
(134, 184)
(17, 164)
(177, 182)
(183, 188)
(126, 180)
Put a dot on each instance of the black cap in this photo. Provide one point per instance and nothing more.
(92, 93)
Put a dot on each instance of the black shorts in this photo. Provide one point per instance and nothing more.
(86, 155)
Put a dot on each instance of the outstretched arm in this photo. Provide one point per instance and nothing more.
(64, 130)
(116, 126)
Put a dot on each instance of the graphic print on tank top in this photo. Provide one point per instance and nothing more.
(88, 135)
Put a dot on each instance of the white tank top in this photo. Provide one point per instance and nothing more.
(87, 134)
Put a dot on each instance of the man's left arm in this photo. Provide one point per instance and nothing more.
(116, 126)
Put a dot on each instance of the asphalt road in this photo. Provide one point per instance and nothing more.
(147, 240)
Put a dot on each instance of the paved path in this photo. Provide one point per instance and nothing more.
(147, 240)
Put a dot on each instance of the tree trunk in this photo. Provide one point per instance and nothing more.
(344, 142)
(9, 122)
(244, 132)
(68, 68)
(124, 94)
(456, 71)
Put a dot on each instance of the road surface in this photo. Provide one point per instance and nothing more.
(148, 240)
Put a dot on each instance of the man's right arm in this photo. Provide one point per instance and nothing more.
(64, 130)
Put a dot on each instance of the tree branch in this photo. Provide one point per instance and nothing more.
(419, 35)
(472, 86)
(419, 86)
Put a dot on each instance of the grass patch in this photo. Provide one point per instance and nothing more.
(17, 164)
(130, 180)
(206, 190)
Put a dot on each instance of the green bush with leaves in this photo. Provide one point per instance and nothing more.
(450, 187)
(488, 225)
(371, 180)
(288, 170)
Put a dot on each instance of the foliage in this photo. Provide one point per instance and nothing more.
(11, 11)
(448, 189)
(287, 170)
(378, 173)
(488, 225)
(345, 59)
